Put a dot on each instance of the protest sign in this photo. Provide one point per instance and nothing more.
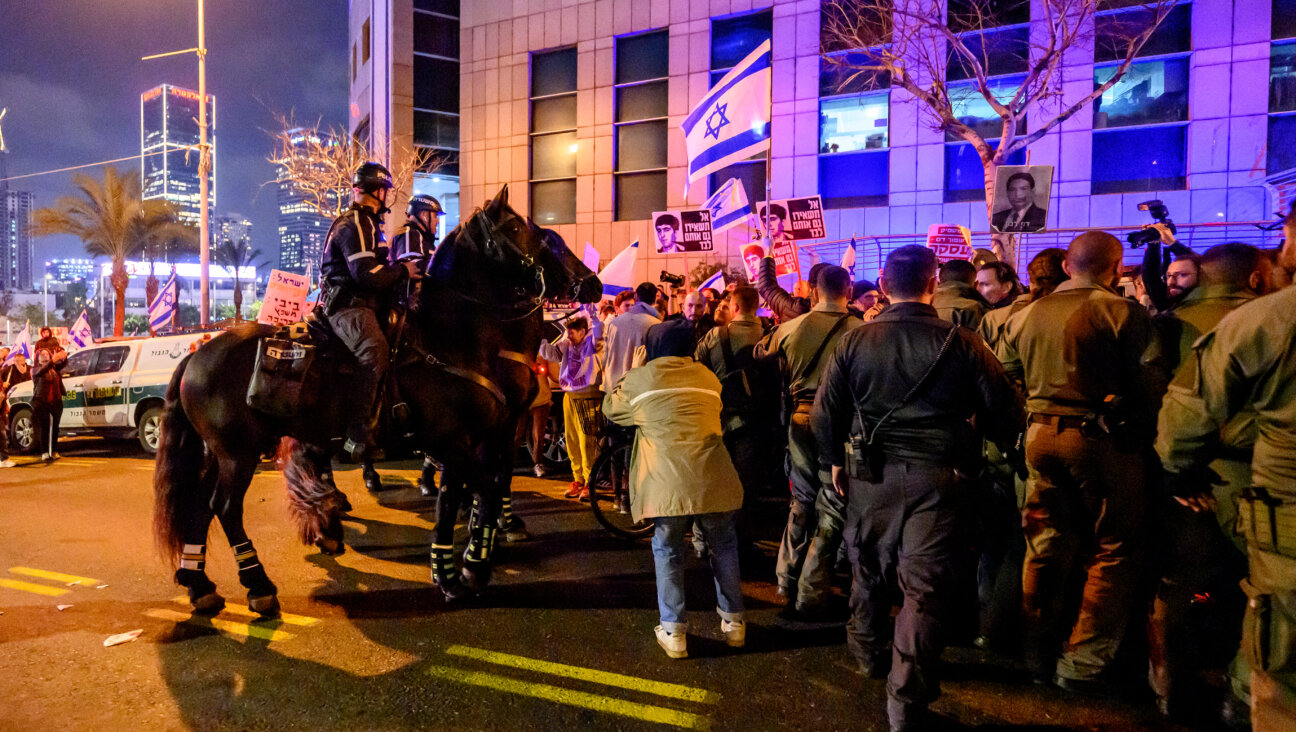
(285, 298)
(676, 232)
(795, 219)
(950, 242)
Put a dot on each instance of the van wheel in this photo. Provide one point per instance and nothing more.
(22, 431)
(150, 426)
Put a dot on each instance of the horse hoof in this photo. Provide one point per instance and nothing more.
(427, 490)
(266, 606)
(344, 504)
(208, 604)
(476, 580)
(452, 588)
(515, 531)
(330, 546)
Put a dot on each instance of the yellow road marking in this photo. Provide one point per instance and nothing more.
(247, 612)
(634, 683)
(33, 588)
(241, 629)
(605, 704)
(56, 576)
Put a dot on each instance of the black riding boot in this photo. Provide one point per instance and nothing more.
(427, 481)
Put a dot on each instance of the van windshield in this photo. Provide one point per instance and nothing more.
(78, 364)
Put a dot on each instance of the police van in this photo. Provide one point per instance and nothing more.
(114, 389)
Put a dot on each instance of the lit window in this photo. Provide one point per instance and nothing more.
(640, 126)
(553, 137)
(1150, 92)
(856, 123)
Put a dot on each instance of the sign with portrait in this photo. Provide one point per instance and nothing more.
(950, 242)
(1021, 198)
(285, 298)
(793, 219)
(677, 232)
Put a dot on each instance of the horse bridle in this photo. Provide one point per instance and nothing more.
(493, 248)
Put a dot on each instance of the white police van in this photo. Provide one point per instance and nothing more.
(114, 389)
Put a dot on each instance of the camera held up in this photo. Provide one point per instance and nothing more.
(1147, 235)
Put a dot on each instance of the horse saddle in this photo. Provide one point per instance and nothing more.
(290, 364)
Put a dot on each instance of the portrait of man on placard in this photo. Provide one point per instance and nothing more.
(668, 228)
(777, 223)
(752, 255)
(1021, 198)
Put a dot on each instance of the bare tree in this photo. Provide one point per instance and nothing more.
(913, 45)
(320, 163)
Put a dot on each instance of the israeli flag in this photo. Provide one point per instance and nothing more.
(729, 206)
(618, 275)
(163, 307)
(22, 346)
(848, 258)
(732, 122)
(81, 334)
(716, 281)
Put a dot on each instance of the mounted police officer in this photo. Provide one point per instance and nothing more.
(355, 278)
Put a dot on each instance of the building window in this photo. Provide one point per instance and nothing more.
(854, 162)
(436, 35)
(353, 63)
(640, 126)
(1140, 124)
(1283, 19)
(965, 173)
(1282, 89)
(553, 137)
(731, 40)
(364, 42)
(448, 8)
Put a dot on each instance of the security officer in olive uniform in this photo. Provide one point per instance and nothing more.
(813, 533)
(1249, 363)
(1202, 557)
(1088, 439)
(355, 281)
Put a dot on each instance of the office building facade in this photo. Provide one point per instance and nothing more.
(169, 138)
(577, 106)
(301, 227)
(68, 271)
(15, 240)
(405, 90)
(232, 227)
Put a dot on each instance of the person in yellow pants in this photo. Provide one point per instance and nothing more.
(576, 360)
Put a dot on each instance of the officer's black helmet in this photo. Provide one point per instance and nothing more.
(371, 176)
(423, 202)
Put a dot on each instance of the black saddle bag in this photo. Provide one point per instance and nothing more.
(283, 382)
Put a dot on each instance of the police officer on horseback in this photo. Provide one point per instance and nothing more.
(417, 239)
(355, 281)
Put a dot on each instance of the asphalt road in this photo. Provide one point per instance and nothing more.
(562, 640)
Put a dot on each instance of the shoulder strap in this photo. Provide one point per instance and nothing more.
(922, 381)
(814, 360)
(726, 349)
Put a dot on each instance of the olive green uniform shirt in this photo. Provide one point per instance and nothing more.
(1075, 347)
(796, 342)
(960, 304)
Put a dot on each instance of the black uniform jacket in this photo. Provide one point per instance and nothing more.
(356, 253)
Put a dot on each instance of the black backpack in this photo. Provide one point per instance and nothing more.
(749, 388)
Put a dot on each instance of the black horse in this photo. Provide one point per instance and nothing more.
(463, 367)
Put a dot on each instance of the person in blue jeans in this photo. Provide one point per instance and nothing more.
(681, 474)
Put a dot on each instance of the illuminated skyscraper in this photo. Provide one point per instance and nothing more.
(232, 227)
(301, 227)
(15, 239)
(169, 148)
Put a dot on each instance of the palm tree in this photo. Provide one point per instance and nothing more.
(163, 238)
(112, 220)
(234, 255)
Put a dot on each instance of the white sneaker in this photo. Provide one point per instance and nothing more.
(7, 463)
(46, 457)
(735, 632)
(675, 644)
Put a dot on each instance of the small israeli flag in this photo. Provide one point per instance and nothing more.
(848, 258)
(618, 275)
(21, 347)
(732, 122)
(163, 307)
(716, 281)
(81, 333)
(728, 205)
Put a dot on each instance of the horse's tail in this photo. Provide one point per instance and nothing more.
(177, 472)
(313, 499)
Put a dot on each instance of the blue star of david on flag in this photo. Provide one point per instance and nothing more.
(714, 125)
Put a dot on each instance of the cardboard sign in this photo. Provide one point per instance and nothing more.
(786, 259)
(285, 298)
(752, 254)
(1021, 198)
(950, 242)
(795, 219)
(676, 232)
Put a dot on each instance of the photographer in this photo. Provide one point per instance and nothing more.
(1165, 282)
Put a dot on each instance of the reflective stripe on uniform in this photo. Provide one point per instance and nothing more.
(364, 245)
(674, 389)
(359, 255)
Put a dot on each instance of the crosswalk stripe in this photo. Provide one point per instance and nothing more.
(245, 611)
(33, 588)
(634, 683)
(56, 576)
(226, 626)
(605, 704)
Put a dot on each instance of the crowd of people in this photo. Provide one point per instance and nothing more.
(45, 372)
(1044, 469)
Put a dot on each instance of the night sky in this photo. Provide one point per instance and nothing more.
(71, 76)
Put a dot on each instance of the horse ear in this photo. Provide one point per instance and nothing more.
(498, 203)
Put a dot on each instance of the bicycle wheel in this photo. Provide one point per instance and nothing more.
(609, 494)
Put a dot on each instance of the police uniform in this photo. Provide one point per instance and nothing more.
(413, 242)
(1203, 554)
(960, 304)
(815, 515)
(904, 521)
(1247, 363)
(1085, 491)
(356, 279)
